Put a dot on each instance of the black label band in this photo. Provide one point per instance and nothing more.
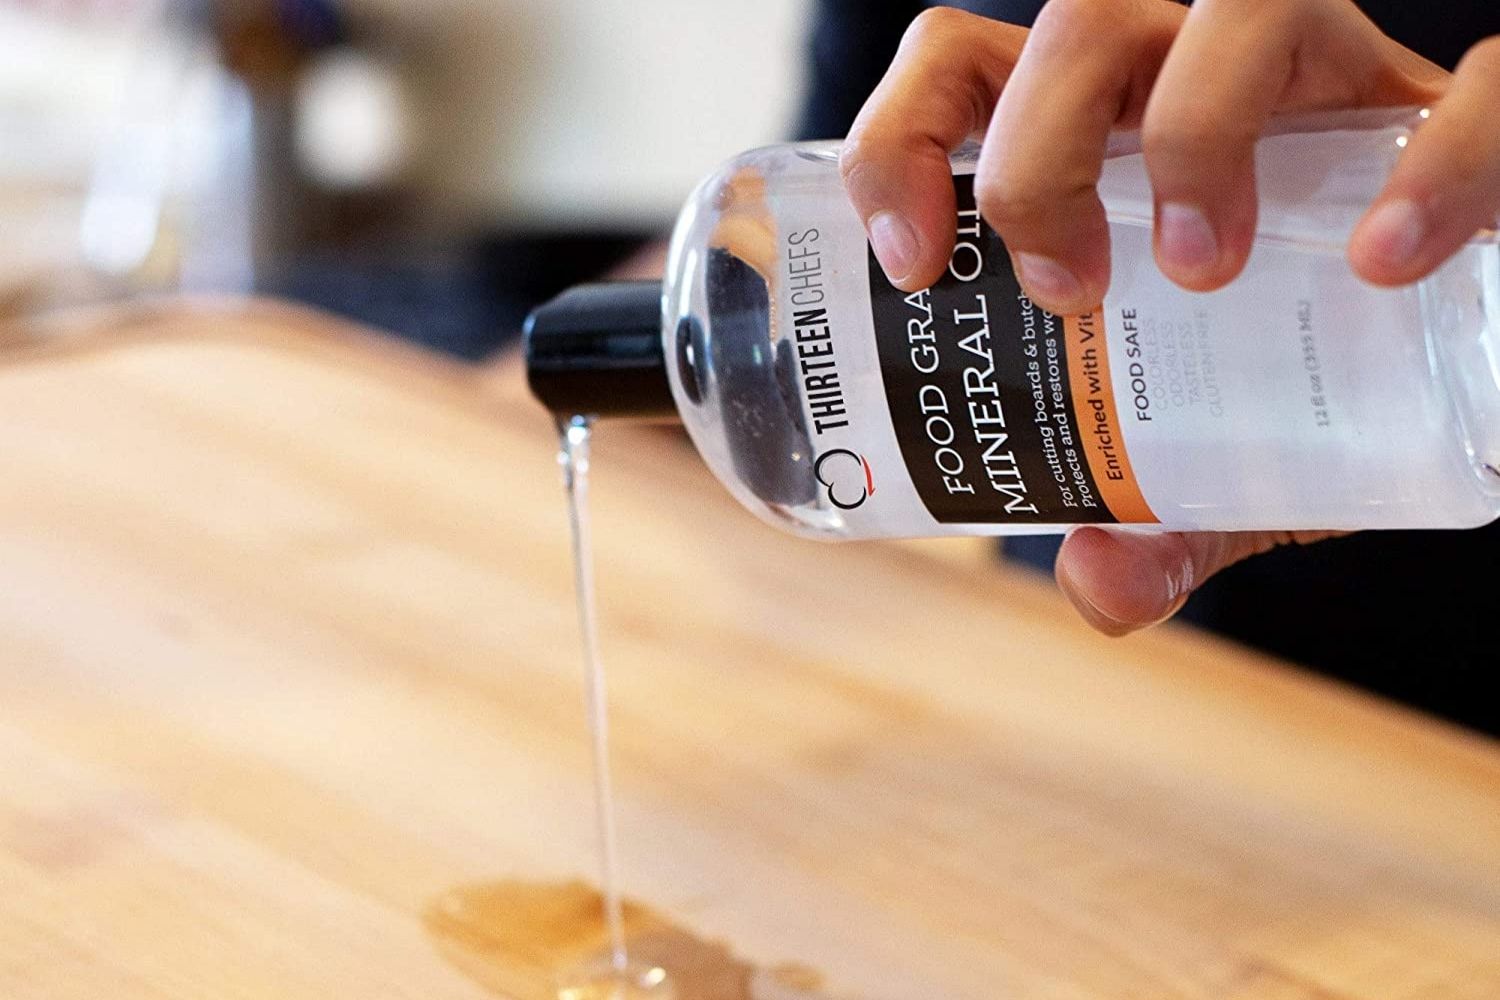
(977, 378)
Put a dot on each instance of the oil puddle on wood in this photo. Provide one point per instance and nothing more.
(526, 941)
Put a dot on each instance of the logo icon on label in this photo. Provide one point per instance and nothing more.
(846, 476)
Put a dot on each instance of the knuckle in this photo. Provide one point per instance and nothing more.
(1083, 22)
(936, 25)
(1260, 12)
(1484, 55)
(1175, 141)
(1021, 195)
(1008, 203)
(878, 135)
(1467, 166)
(866, 150)
(853, 152)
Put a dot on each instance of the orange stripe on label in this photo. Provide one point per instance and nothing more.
(1099, 422)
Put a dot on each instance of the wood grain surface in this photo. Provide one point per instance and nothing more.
(288, 659)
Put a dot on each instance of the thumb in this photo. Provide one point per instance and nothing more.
(1122, 580)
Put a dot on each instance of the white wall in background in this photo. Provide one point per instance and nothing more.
(590, 112)
(528, 112)
(59, 88)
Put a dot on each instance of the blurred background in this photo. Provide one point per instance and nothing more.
(437, 169)
(434, 169)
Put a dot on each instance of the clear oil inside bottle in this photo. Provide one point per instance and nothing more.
(1297, 397)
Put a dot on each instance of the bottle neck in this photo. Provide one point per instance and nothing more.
(596, 350)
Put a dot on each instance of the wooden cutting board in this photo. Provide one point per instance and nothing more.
(290, 706)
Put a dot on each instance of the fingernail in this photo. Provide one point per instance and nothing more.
(1122, 581)
(1394, 232)
(1185, 236)
(1095, 542)
(894, 243)
(1046, 278)
(1167, 587)
(1178, 578)
(1088, 610)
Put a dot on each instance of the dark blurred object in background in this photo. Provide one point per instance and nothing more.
(349, 237)
(269, 46)
(467, 302)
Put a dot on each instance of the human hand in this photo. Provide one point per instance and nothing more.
(1201, 85)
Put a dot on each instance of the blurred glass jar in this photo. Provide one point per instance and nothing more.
(170, 202)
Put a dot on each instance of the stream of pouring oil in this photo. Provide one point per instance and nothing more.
(542, 941)
(616, 978)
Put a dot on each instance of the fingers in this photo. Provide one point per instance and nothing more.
(940, 89)
(1234, 63)
(1446, 184)
(1121, 581)
(1086, 67)
(1225, 76)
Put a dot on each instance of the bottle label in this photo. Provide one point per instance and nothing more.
(1004, 412)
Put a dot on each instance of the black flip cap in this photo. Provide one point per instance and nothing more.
(596, 350)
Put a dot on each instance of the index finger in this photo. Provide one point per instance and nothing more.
(941, 88)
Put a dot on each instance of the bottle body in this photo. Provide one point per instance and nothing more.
(1298, 397)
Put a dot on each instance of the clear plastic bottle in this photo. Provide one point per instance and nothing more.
(835, 406)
